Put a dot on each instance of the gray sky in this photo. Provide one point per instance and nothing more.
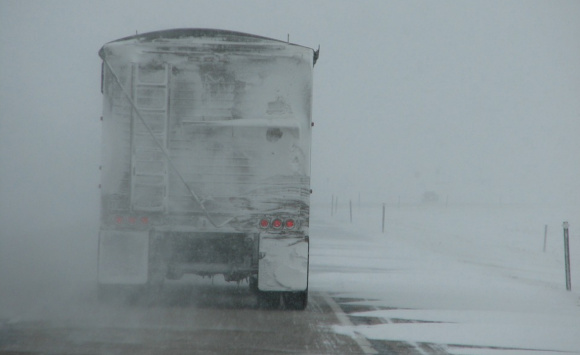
(476, 100)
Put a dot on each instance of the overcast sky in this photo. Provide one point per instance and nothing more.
(476, 100)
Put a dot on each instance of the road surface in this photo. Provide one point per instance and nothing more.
(185, 319)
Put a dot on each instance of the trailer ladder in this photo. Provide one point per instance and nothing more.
(149, 166)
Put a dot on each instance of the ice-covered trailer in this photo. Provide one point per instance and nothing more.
(206, 161)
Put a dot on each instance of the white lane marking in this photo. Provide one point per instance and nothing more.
(362, 342)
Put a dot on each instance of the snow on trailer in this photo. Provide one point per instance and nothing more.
(206, 161)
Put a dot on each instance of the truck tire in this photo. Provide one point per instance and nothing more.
(295, 301)
(109, 293)
(120, 294)
(269, 300)
(254, 285)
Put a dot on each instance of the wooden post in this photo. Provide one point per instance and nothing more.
(332, 206)
(383, 229)
(350, 207)
(567, 257)
(545, 236)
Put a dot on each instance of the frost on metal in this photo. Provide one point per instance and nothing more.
(205, 130)
(284, 264)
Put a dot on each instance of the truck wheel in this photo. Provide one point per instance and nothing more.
(108, 293)
(153, 291)
(123, 294)
(296, 301)
(254, 285)
(268, 300)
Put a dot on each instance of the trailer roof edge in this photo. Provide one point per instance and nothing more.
(196, 32)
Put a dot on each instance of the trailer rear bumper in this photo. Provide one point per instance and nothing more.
(130, 258)
(230, 272)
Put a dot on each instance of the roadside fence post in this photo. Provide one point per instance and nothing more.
(332, 206)
(383, 229)
(350, 207)
(545, 236)
(567, 256)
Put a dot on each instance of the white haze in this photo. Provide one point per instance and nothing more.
(476, 101)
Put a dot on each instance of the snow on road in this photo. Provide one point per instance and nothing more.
(467, 279)
(473, 279)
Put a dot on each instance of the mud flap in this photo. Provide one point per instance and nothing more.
(283, 263)
(123, 257)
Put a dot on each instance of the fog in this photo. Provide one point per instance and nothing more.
(476, 101)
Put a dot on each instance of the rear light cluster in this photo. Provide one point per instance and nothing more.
(277, 223)
(130, 220)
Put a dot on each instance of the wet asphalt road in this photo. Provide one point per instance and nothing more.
(184, 319)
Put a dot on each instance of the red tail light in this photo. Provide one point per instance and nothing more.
(277, 223)
(287, 224)
(290, 223)
(144, 220)
(119, 219)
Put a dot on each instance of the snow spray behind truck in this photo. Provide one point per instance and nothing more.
(206, 161)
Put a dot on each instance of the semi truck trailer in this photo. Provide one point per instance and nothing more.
(206, 140)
